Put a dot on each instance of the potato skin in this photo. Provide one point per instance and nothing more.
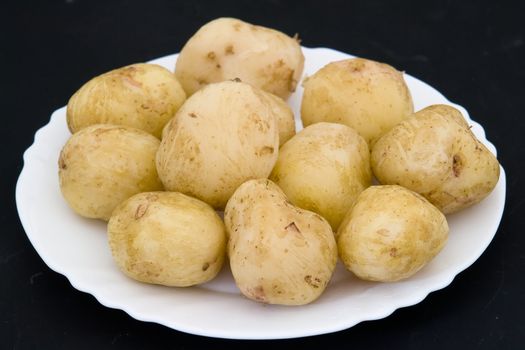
(227, 48)
(279, 253)
(368, 96)
(435, 153)
(390, 234)
(285, 117)
(102, 165)
(223, 135)
(167, 238)
(323, 169)
(143, 96)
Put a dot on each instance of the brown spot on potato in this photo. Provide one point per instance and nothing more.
(264, 151)
(228, 50)
(292, 227)
(457, 164)
(205, 266)
(211, 55)
(61, 162)
(313, 282)
(237, 27)
(141, 210)
(237, 80)
(393, 252)
(192, 115)
(257, 293)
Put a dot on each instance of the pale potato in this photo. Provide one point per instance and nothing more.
(435, 153)
(102, 165)
(390, 234)
(323, 169)
(228, 48)
(279, 253)
(167, 238)
(285, 117)
(223, 135)
(369, 96)
(143, 96)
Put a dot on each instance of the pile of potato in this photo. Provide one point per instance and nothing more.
(157, 154)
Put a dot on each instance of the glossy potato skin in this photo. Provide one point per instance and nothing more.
(227, 48)
(167, 238)
(390, 234)
(279, 254)
(368, 96)
(435, 153)
(323, 169)
(144, 96)
(102, 165)
(223, 135)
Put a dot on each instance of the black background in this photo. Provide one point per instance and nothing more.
(471, 51)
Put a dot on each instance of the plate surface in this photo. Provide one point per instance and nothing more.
(77, 248)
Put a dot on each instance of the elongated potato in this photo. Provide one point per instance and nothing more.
(279, 254)
(390, 234)
(227, 48)
(143, 96)
(323, 169)
(369, 96)
(167, 238)
(435, 153)
(223, 135)
(102, 165)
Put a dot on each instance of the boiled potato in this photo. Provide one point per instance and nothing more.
(143, 96)
(390, 234)
(369, 96)
(223, 135)
(102, 165)
(227, 48)
(285, 117)
(167, 238)
(323, 169)
(279, 253)
(435, 154)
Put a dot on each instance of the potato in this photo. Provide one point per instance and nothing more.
(369, 96)
(167, 238)
(279, 254)
(285, 117)
(390, 234)
(435, 154)
(223, 135)
(143, 96)
(227, 48)
(102, 165)
(323, 169)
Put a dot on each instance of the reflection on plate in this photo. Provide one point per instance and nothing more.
(77, 248)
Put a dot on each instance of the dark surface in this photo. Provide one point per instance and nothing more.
(473, 52)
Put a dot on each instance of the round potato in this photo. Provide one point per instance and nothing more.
(285, 117)
(435, 153)
(167, 238)
(143, 96)
(323, 169)
(227, 48)
(279, 254)
(223, 135)
(390, 234)
(369, 96)
(102, 165)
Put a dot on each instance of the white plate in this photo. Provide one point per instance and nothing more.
(77, 248)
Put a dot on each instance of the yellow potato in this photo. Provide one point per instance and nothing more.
(167, 238)
(435, 153)
(323, 169)
(279, 254)
(285, 117)
(102, 165)
(223, 135)
(143, 96)
(227, 48)
(369, 96)
(390, 234)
